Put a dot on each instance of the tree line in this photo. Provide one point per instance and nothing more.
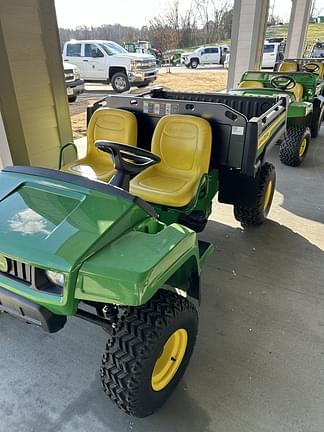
(202, 22)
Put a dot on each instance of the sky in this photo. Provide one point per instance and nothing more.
(135, 13)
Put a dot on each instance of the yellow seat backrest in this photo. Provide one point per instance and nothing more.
(112, 125)
(251, 84)
(183, 143)
(105, 124)
(288, 67)
(298, 91)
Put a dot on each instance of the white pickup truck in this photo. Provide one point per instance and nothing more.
(106, 61)
(205, 55)
(74, 85)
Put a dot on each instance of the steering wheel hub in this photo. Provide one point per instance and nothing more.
(128, 161)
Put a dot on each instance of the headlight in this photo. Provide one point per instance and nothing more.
(134, 64)
(55, 278)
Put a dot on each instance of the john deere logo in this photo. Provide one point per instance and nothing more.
(3, 264)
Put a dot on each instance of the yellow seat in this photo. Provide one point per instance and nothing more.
(251, 84)
(105, 124)
(320, 72)
(288, 67)
(183, 143)
(298, 92)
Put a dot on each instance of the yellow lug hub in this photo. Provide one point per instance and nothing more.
(267, 196)
(169, 361)
(302, 147)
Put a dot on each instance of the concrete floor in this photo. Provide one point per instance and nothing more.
(259, 362)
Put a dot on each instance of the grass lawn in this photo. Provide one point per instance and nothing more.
(315, 31)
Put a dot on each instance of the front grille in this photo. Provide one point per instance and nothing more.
(21, 271)
(146, 64)
(34, 277)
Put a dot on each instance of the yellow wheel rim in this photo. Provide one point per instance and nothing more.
(302, 147)
(267, 196)
(169, 361)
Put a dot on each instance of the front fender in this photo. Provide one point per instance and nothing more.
(132, 269)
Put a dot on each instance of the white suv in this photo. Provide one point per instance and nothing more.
(106, 61)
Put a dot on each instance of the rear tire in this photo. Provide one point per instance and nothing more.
(120, 82)
(294, 147)
(140, 368)
(253, 216)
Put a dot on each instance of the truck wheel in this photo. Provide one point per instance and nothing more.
(120, 82)
(257, 215)
(294, 147)
(148, 352)
(317, 119)
(72, 98)
(194, 63)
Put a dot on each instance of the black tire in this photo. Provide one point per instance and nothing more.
(120, 82)
(253, 216)
(194, 63)
(135, 346)
(317, 118)
(72, 98)
(294, 147)
(188, 66)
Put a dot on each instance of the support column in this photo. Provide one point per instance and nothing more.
(248, 32)
(5, 156)
(33, 101)
(298, 25)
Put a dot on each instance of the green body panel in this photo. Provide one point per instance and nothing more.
(108, 247)
(299, 109)
(145, 261)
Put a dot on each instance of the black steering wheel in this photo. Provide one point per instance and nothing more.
(128, 161)
(283, 82)
(311, 67)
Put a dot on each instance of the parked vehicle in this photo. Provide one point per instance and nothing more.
(71, 246)
(305, 110)
(205, 55)
(273, 54)
(238, 169)
(144, 47)
(74, 85)
(317, 50)
(106, 61)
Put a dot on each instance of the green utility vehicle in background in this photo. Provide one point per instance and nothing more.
(122, 255)
(243, 128)
(305, 110)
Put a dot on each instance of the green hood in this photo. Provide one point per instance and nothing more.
(56, 220)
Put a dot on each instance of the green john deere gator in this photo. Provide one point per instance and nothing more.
(305, 110)
(120, 252)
